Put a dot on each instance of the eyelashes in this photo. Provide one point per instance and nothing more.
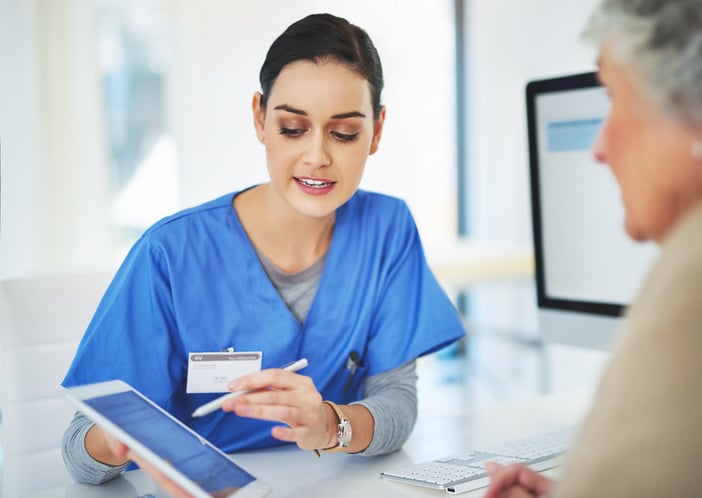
(345, 137)
(291, 132)
(338, 136)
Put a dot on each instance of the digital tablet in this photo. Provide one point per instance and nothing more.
(176, 450)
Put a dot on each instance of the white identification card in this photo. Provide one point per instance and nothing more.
(211, 372)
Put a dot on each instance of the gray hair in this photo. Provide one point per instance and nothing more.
(661, 42)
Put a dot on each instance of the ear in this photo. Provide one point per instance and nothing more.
(377, 131)
(259, 116)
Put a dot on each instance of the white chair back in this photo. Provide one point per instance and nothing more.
(41, 322)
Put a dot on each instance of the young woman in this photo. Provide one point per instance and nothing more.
(306, 265)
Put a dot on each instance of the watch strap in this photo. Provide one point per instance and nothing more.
(341, 417)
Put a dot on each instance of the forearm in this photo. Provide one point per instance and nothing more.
(80, 464)
(362, 424)
(384, 418)
(391, 401)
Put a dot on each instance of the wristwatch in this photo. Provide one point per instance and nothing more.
(343, 431)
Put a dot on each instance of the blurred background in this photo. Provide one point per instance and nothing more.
(115, 113)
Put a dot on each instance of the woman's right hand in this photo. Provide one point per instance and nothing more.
(105, 448)
(109, 450)
(161, 479)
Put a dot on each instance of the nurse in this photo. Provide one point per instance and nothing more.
(305, 265)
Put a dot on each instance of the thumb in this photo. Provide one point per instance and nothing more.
(492, 468)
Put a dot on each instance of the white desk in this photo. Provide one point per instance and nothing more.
(295, 473)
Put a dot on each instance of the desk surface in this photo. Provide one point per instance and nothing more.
(294, 473)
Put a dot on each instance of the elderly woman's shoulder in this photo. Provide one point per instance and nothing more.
(685, 239)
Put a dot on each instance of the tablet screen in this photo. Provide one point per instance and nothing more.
(185, 450)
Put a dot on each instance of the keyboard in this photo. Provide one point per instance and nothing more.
(466, 472)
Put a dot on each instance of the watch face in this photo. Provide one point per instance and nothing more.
(344, 432)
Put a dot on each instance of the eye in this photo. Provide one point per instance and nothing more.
(292, 132)
(345, 137)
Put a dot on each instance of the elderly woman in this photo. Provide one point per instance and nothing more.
(642, 437)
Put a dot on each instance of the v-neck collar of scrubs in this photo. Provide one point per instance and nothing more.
(330, 266)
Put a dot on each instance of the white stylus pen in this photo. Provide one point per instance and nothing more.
(216, 404)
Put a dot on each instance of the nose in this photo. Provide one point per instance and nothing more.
(599, 149)
(316, 153)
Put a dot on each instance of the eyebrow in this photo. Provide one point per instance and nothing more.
(343, 115)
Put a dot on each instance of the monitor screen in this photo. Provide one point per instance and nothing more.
(587, 268)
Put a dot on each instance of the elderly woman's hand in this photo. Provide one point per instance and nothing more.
(516, 481)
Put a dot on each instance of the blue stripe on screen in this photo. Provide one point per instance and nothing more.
(572, 135)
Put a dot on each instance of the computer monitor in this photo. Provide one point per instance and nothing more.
(587, 268)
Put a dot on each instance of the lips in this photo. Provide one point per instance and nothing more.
(314, 186)
(312, 183)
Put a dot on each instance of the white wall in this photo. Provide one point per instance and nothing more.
(221, 46)
(509, 43)
(54, 176)
(55, 197)
(21, 206)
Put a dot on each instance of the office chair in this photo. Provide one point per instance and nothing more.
(41, 322)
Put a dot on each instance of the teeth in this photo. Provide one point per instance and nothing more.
(313, 183)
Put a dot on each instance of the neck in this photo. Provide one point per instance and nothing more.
(289, 240)
(296, 246)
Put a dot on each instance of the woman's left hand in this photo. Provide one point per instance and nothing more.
(286, 397)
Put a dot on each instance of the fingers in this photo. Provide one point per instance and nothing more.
(161, 479)
(118, 449)
(308, 429)
(271, 377)
(273, 409)
(501, 479)
(287, 434)
(123, 453)
(282, 396)
(536, 483)
(278, 396)
(493, 468)
(274, 404)
(515, 481)
(105, 448)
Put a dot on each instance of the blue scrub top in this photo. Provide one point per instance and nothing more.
(193, 283)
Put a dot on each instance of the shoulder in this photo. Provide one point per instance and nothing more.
(378, 207)
(674, 283)
(213, 211)
(653, 368)
(374, 220)
(681, 248)
(191, 229)
(667, 304)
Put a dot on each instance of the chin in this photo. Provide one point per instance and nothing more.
(317, 210)
(321, 206)
(636, 233)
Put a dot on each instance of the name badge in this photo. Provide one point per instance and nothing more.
(211, 372)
